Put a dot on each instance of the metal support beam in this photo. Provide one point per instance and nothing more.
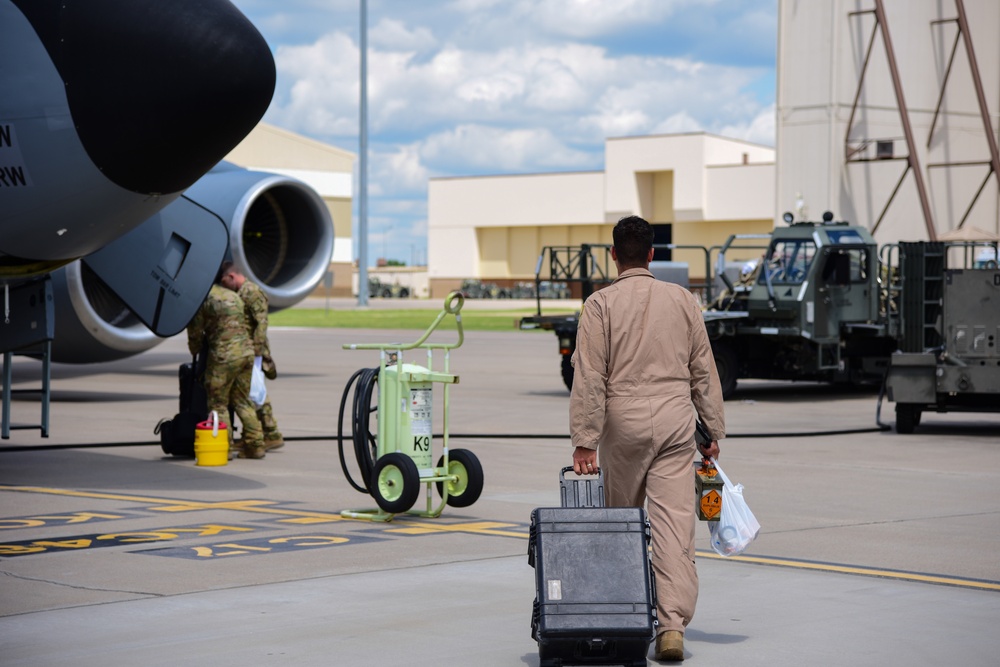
(904, 116)
(965, 36)
(913, 163)
(977, 81)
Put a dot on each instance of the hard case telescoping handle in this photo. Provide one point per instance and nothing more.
(581, 491)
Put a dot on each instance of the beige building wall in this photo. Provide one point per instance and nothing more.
(325, 168)
(821, 59)
(642, 171)
(494, 227)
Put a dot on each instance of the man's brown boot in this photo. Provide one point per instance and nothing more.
(249, 452)
(670, 646)
(273, 442)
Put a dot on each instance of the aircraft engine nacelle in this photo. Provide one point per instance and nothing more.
(280, 236)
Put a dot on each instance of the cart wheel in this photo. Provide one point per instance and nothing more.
(466, 489)
(395, 483)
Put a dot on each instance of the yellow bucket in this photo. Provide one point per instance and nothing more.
(211, 442)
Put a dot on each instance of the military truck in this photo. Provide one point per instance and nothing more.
(477, 289)
(823, 303)
(377, 288)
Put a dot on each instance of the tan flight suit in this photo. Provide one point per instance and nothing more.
(643, 365)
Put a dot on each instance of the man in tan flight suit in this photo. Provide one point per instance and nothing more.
(643, 370)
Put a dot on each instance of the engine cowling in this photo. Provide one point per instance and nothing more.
(280, 237)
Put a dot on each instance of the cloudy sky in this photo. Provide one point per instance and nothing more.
(473, 87)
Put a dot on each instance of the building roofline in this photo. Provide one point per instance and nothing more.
(294, 136)
(690, 134)
(518, 175)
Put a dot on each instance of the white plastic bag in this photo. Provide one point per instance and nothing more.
(737, 527)
(258, 391)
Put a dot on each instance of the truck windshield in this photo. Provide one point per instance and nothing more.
(789, 261)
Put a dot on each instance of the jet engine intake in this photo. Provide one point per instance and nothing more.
(280, 235)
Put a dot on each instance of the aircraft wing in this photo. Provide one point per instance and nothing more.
(163, 269)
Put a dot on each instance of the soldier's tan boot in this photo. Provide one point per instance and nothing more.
(274, 441)
(252, 451)
(670, 646)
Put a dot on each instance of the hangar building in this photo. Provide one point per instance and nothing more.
(694, 188)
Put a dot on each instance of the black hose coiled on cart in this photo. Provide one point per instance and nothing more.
(365, 443)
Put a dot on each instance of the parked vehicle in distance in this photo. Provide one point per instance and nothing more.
(477, 289)
(377, 288)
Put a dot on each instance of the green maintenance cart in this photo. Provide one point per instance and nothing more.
(399, 459)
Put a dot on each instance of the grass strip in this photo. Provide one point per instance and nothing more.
(420, 319)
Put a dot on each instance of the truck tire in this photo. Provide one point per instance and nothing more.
(907, 417)
(567, 371)
(725, 364)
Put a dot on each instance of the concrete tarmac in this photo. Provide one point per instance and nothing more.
(875, 548)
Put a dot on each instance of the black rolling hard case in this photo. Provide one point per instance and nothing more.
(177, 434)
(595, 602)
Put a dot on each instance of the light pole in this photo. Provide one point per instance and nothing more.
(363, 164)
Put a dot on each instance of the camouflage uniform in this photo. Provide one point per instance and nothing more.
(221, 321)
(255, 302)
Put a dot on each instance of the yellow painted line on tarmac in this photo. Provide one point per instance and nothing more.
(485, 528)
(477, 527)
(174, 505)
(295, 516)
(861, 571)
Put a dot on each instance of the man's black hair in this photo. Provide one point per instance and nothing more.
(223, 270)
(633, 240)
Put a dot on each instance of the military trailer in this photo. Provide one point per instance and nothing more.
(948, 360)
(823, 303)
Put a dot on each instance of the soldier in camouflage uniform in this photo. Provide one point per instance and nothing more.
(255, 302)
(221, 322)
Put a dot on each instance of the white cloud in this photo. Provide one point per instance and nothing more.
(576, 91)
(394, 35)
(498, 86)
(323, 91)
(586, 18)
(492, 150)
(760, 129)
(398, 171)
(678, 123)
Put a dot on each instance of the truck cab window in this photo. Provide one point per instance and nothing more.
(844, 266)
(789, 261)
